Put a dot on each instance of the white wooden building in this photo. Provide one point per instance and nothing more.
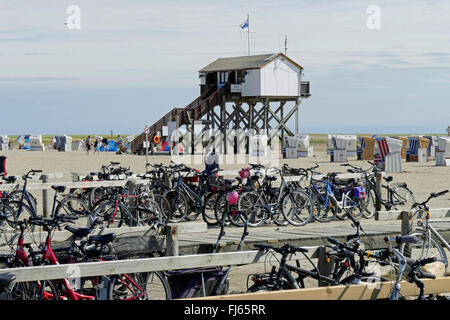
(267, 75)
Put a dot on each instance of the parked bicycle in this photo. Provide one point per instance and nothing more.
(430, 243)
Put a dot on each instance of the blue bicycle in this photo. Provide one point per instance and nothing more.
(68, 204)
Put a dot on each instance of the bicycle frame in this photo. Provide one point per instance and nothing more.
(429, 229)
(50, 258)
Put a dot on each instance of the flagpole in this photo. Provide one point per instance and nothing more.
(248, 33)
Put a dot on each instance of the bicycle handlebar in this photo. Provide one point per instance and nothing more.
(286, 249)
(402, 239)
(431, 196)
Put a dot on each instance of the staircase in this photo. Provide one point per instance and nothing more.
(194, 111)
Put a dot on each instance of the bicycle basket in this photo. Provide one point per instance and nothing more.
(129, 245)
(359, 192)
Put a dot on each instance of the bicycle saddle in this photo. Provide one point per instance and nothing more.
(7, 278)
(10, 179)
(389, 179)
(271, 178)
(59, 189)
(78, 232)
(103, 238)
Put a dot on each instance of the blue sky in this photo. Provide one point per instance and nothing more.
(132, 61)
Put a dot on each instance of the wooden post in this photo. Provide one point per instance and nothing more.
(131, 185)
(323, 264)
(44, 179)
(171, 232)
(407, 226)
(378, 188)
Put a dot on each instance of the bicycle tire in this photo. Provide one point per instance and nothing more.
(250, 203)
(17, 195)
(293, 204)
(74, 206)
(351, 205)
(220, 209)
(35, 290)
(119, 212)
(369, 205)
(26, 212)
(402, 198)
(155, 285)
(179, 206)
(7, 211)
(208, 210)
(428, 247)
(321, 212)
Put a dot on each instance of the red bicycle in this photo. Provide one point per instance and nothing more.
(64, 290)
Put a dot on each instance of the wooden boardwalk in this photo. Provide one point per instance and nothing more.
(313, 234)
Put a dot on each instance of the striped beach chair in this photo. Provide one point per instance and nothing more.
(383, 150)
(414, 146)
(362, 144)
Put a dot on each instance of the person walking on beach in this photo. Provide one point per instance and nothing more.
(119, 143)
(105, 144)
(96, 146)
(87, 142)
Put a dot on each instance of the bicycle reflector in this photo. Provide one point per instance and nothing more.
(232, 197)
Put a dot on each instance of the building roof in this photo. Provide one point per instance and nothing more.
(243, 63)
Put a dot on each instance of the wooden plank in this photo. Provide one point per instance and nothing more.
(75, 185)
(351, 292)
(50, 272)
(396, 215)
(62, 236)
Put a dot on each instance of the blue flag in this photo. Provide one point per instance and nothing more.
(244, 24)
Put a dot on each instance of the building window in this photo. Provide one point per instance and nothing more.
(223, 77)
(240, 76)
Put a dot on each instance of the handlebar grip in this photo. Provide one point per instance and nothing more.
(402, 239)
(428, 260)
(441, 193)
(333, 240)
(422, 274)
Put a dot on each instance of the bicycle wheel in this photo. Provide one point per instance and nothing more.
(369, 205)
(402, 198)
(22, 211)
(297, 207)
(73, 206)
(352, 205)
(114, 214)
(220, 209)
(277, 216)
(95, 195)
(156, 286)
(34, 290)
(178, 206)
(208, 214)
(17, 195)
(427, 247)
(8, 212)
(139, 286)
(324, 212)
(251, 203)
